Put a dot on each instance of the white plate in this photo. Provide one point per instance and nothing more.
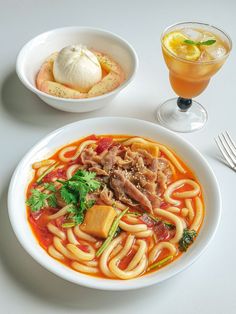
(113, 125)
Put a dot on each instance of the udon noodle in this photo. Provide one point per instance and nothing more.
(114, 206)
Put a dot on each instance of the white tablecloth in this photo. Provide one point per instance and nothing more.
(25, 287)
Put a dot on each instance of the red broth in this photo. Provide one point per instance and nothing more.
(159, 232)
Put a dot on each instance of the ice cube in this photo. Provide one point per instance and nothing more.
(216, 51)
(207, 36)
(192, 34)
(204, 57)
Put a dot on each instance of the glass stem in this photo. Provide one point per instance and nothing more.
(184, 103)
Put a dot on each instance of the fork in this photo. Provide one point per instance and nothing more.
(227, 148)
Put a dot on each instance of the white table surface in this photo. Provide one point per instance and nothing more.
(25, 287)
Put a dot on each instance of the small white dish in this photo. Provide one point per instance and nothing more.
(34, 53)
(113, 125)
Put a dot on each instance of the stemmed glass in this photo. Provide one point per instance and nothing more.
(209, 47)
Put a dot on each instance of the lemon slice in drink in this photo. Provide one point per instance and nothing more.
(174, 42)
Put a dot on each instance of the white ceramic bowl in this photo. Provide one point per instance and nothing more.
(33, 54)
(71, 132)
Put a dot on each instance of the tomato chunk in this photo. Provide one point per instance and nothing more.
(58, 173)
(161, 231)
(164, 205)
(103, 144)
(42, 232)
(91, 137)
(127, 259)
(147, 220)
(83, 248)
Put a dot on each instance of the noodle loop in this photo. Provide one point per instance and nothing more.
(138, 263)
(177, 184)
(155, 252)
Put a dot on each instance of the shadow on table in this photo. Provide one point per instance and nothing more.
(214, 153)
(25, 107)
(41, 284)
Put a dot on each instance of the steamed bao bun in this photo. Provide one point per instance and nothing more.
(77, 67)
(76, 72)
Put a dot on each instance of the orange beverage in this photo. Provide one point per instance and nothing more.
(193, 53)
(191, 62)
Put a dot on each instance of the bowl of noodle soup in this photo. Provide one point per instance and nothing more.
(152, 204)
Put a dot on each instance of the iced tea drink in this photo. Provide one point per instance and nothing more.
(193, 53)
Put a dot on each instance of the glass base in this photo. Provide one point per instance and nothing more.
(175, 119)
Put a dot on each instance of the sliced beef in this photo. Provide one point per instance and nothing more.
(154, 199)
(117, 186)
(164, 166)
(87, 157)
(98, 158)
(106, 197)
(129, 155)
(110, 158)
(99, 171)
(150, 187)
(124, 163)
(164, 174)
(154, 165)
(149, 175)
(123, 185)
(162, 181)
(148, 158)
(135, 177)
(94, 196)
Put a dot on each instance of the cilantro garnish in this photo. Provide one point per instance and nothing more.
(73, 191)
(187, 239)
(38, 200)
(50, 187)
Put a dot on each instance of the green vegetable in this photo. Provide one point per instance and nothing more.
(46, 172)
(200, 43)
(187, 239)
(86, 177)
(39, 200)
(118, 231)
(74, 191)
(112, 232)
(167, 224)
(161, 262)
(52, 201)
(68, 224)
(50, 187)
(68, 196)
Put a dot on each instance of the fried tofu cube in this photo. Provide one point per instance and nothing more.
(98, 220)
(152, 149)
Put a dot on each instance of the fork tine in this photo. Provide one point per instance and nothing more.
(231, 140)
(223, 152)
(228, 147)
